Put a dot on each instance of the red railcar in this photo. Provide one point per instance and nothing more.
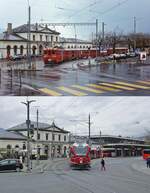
(80, 155)
(146, 153)
(121, 50)
(59, 55)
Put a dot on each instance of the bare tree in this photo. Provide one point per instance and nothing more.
(114, 39)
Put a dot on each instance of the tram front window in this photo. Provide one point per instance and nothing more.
(81, 151)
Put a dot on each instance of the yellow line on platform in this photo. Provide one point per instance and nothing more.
(71, 91)
(87, 89)
(117, 86)
(132, 85)
(50, 92)
(103, 87)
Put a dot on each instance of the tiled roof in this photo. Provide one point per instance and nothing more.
(11, 37)
(41, 126)
(34, 28)
(11, 135)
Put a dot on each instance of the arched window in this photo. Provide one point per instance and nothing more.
(8, 147)
(21, 49)
(68, 46)
(34, 50)
(8, 50)
(24, 146)
(46, 149)
(15, 50)
(40, 49)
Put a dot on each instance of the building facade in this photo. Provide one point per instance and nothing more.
(72, 43)
(11, 143)
(14, 41)
(46, 140)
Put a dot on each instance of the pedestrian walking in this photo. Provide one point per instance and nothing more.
(103, 168)
(148, 162)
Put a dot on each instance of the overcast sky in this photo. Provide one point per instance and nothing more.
(117, 14)
(127, 116)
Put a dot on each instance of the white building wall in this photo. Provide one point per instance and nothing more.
(13, 143)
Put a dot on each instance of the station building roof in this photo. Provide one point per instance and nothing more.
(6, 135)
(41, 126)
(10, 37)
(36, 28)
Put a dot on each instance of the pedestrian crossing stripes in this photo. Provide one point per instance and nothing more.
(143, 82)
(71, 91)
(117, 86)
(87, 89)
(96, 88)
(50, 92)
(133, 85)
(103, 88)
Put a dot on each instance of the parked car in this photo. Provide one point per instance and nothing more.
(131, 54)
(11, 165)
(18, 57)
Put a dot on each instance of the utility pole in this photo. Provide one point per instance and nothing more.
(100, 135)
(38, 155)
(28, 122)
(135, 29)
(96, 37)
(52, 147)
(29, 36)
(89, 128)
(135, 25)
(103, 31)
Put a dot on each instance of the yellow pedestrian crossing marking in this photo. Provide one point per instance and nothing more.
(72, 91)
(132, 85)
(117, 86)
(87, 89)
(103, 87)
(50, 92)
(143, 82)
(97, 88)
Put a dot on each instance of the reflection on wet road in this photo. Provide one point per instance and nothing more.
(75, 78)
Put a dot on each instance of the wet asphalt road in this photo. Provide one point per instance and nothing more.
(55, 80)
(120, 177)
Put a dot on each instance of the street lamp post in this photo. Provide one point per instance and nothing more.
(29, 35)
(28, 132)
(89, 128)
(38, 155)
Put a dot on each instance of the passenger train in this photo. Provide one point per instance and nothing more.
(59, 55)
(80, 155)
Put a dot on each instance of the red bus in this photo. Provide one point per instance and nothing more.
(146, 153)
(80, 155)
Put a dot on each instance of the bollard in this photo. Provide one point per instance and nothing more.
(0, 74)
(11, 76)
(20, 80)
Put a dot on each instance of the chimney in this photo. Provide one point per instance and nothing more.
(9, 28)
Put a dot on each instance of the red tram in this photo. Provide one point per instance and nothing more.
(80, 155)
(59, 55)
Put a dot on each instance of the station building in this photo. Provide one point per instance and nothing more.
(72, 43)
(14, 41)
(47, 140)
